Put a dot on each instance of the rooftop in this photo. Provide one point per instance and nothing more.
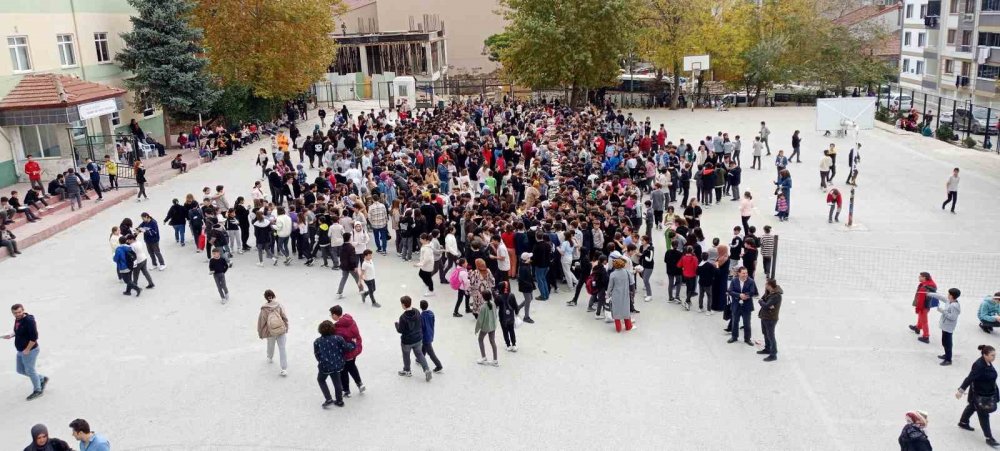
(43, 91)
(865, 13)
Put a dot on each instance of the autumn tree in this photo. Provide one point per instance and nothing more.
(275, 48)
(575, 44)
(161, 52)
(671, 30)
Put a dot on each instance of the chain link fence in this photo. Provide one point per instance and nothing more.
(950, 119)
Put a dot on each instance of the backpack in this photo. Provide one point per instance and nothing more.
(130, 258)
(590, 284)
(455, 280)
(275, 325)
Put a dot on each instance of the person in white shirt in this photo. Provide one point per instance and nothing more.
(757, 146)
(566, 252)
(360, 239)
(426, 263)
(336, 240)
(138, 246)
(283, 229)
(952, 188)
(824, 169)
(368, 275)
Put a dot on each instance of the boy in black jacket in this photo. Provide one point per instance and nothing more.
(217, 267)
(411, 337)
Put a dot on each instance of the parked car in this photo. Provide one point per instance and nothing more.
(899, 102)
(974, 121)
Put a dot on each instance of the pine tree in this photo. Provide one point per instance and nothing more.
(161, 52)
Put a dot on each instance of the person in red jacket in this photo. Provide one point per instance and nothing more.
(834, 200)
(345, 327)
(34, 172)
(925, 285)
(689, 269)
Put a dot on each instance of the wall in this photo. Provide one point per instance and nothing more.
(350, 18)
(467, 24)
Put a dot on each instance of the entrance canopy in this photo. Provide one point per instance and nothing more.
(40, 99)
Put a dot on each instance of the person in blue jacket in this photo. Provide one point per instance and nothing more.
(151, 236)
(427, 326)
(124, 259)
(742, 290)
(329, 350)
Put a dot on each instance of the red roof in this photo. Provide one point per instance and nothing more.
(37, 91)
(865, 13)
(889, 46)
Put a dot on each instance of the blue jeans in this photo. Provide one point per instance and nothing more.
(26, 367)
(381, 238)
(444, 187)
(541, 279)
(179, 233)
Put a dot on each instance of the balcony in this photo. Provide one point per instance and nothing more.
(962, 81)
(933, 16)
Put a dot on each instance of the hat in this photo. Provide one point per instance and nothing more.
(526, 256)
(917, 417)
(616, 255)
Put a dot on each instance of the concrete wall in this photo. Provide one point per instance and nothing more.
(467, 24)
(350, 18)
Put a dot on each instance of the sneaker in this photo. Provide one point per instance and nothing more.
(150, 286)
(338, 403)
(275, 261)
(770, 358)
(482, 361)
(508, 349)
(270, 360)
(45, 381)
(340, 295)
(966, 426)
(33, 395)
(138, 291)
(361, 388)
(429, 294)
(924, 339)
(701, 310)
(223, 301)
(162, 267)
(405, 373)
(457, 315)
(327, 403)
(428, 375)
(261, 264)
(495, 363)
(945, 362)
(513, 349)
(376, 305)
(529, 321)
(439, 369)
(648, 298)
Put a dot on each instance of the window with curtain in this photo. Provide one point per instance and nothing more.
(41, 141)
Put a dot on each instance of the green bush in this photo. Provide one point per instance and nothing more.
(945, 133)
(969, 142)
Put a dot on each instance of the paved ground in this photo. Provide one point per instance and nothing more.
(174, 369)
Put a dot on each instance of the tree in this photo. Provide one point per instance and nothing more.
(161, 52)
(847, 57)
(671, 30)
(276, 48)
(566, 43)
(495, 44)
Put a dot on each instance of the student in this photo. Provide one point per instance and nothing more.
(345, 326)
(706, 277)
(952, 188)
(486, 325)
(141, 258)
(770, 305)
(217, 267)
(426, 263)
(124, 258)
(9, 240)
(89, 440)
(461, 274)
(835, 201)
(25, 337)
(925, 285)
(989, 313)
(526, 281)
(368, 276)
(272, 325)
(689, 270)
(411, 338)
(950, 309)
(329, 350)
(757, 146)
(348, 266)
(427, 328)
(151, 235)
(507, 311)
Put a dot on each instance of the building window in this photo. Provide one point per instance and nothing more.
(966, 68)
(966, 39)
(40, 141)
(920, 67)
(116, 118)
(906, 65)
(951, 37)
(949, 66)
(67, 57)
(909, 11)
(990, 72)
(19, 58)
(991, 5)
(923, 11)
(906, 38)
(953, 7)
(147, 106)
(921, 39)
(101, 43)
(989, 39)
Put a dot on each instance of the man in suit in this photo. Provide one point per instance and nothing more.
(742, 290)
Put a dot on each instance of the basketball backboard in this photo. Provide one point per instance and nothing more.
(696, 62)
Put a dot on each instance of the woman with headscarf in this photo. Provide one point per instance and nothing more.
(40, 441)
(913, 437)
(719, 290)
(480, 281)
(618, 293)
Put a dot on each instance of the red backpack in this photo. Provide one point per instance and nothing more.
(590, 284)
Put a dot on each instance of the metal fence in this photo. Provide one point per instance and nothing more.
(937, 116)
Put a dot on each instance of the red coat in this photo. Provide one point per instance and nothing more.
(688, 265)
(921, 295)
(348, 329)
(645, 144)
(661, 138)
(830, 198)
(33, 170)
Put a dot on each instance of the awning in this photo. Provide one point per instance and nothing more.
(58, 99)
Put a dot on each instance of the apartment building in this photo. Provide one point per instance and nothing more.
(59, 82)
(952, 48)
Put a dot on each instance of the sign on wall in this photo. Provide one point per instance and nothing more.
(98, 108)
